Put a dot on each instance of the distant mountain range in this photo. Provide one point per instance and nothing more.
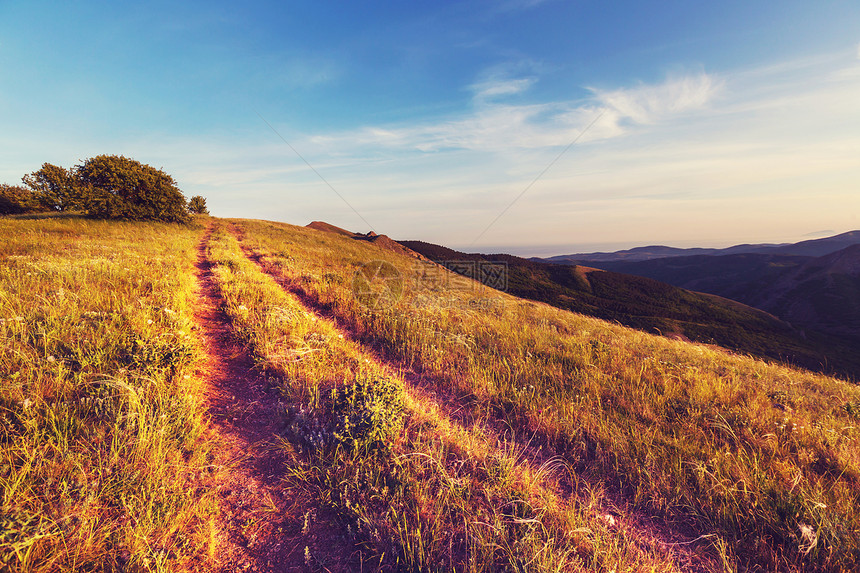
(811, 248)
(813, 285)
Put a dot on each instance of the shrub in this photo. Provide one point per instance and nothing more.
(197, 205)
(368, 413)
(116, 187)
(365, 415)
(15, 199)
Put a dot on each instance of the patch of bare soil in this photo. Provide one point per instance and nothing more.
(264, 525)
(689, 552)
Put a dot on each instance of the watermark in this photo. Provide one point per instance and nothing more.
(450, 303)
(466, 275)
(379, 284)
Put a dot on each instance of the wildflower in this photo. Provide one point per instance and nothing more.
(609, 519)
(51, 359)
(809, 537)
(26, 403)
(149, 321)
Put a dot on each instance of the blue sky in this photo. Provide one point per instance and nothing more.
(694, 123)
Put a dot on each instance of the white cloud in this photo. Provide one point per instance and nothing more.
(493, 88)
(751, 155)
(496, 126)
(646, 104)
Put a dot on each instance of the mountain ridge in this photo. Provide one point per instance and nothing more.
(811, 247)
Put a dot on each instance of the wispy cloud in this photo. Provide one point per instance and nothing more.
(647, 104)
(500, 87)
(755, 154)
(822, 233)
(495, 125)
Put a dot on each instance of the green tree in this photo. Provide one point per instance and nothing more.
(15, 199)
(197, 205)
(55, 188)
(117, 187)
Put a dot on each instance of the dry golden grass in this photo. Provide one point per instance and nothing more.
(101, 421)
(457, 428)
(762, 458)
(440, 495)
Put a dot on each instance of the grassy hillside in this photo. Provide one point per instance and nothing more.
(654, 306)
(412, 487)
(433, 425)
(755, 455)
(100, 422)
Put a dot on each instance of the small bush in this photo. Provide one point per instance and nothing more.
(365, 415)
(15, 199)
(197, 205)
(368, 413)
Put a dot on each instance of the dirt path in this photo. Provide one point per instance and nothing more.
(689, 553)
(262, 526)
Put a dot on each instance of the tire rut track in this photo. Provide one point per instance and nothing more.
(260, 528)
(649, 533)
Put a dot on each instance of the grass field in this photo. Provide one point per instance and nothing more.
(101, 429)
(443, 425)
(416, 489)
(763, 457)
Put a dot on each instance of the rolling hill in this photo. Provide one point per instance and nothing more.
(822, 294)
(222, 396)
(655, 306)
(813, 285)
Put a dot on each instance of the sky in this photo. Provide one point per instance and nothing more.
(535, 127)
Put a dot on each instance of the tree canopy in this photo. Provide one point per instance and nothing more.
(116, 187)
(103, 187)
(197, 205)
(55, 188)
